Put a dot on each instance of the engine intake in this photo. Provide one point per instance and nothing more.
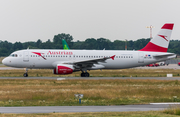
(63, 69)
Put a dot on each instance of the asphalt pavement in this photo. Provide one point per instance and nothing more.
(51, 109)
(93, 78)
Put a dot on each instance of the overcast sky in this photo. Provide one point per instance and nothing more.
(30, 20)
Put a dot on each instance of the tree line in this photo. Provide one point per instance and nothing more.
(90, 44)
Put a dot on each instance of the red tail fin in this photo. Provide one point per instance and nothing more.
(161, 41)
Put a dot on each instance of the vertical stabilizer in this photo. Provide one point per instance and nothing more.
(65, 45)
(160, 42)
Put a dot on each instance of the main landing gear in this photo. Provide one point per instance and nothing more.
(26, 73)
(84, 74)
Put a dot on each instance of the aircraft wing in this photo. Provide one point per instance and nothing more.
(88, 63)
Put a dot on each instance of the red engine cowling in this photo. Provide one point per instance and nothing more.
(63, 69)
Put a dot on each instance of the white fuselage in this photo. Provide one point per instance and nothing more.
(50, 58)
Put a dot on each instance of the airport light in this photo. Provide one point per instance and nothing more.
(150, 30)
(126, 44)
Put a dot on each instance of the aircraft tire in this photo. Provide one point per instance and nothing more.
(86, 74)
(25, 75)
(82, 74)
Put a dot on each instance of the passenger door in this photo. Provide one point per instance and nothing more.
(26, 56)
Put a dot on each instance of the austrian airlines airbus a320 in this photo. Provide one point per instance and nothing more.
(69, 61)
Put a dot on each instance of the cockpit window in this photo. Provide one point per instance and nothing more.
(13, 55)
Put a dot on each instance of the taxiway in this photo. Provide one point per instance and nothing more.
(51, 109)
(93, 78)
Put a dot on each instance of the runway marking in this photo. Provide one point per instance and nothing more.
(61, 78)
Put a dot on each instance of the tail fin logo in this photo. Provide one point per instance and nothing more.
(164, 37)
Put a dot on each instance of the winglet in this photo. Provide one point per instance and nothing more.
(112, 57)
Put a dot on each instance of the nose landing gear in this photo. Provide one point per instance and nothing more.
(26, 73)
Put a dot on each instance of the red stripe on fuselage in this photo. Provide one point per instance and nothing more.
(168, 26)
(153, 48)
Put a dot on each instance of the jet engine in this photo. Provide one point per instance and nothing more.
(63, 69)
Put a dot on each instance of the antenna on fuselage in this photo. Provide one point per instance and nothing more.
(28, 48)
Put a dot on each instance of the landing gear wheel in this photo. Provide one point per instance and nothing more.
(85, 74)
(82, 74)
(25, 75)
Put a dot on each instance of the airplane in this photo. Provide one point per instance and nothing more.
(64, 62)
(65, 45)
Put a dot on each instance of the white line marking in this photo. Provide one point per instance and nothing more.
(61, 78)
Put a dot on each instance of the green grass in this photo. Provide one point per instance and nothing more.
(173, 110)
(95, 73)
(21, 92)
(96, 114)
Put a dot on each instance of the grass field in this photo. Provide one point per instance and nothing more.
(97, 114)
(20, 92)
(96, 92)
(171, 112)
(95, 73)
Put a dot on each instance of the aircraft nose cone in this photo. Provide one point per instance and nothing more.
(4, 61)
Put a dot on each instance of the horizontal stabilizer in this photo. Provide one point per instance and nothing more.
(165, 55)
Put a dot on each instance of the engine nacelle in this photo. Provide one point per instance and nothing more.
(63, 69)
